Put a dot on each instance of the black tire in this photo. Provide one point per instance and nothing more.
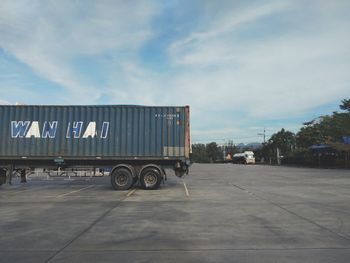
(122, 179)
(150, 178)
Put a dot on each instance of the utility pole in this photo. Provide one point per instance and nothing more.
(264, 134)
(224, 148)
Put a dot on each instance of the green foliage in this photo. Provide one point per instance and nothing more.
(328, 128)
(283, 140)
(213, 152)
(199, 153)
(345, 105)
(209, 153)
(308, 136)
(264, 153)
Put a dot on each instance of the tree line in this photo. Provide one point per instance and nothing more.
(320, 142)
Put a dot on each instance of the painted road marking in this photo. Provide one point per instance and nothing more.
(186, 190)
(131, 192)
(75, 191)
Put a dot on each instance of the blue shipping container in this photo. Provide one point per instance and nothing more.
(107, 132)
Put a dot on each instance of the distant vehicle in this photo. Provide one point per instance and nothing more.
(249, 156)
(244, 158)
(136, 143)
(228, 158)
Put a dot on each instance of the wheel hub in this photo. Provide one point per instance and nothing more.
(121, 179)
(150, 179)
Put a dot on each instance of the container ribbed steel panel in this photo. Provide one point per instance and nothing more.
(80, 132)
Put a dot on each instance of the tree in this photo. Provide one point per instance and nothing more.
(230, 148)
(199, 153)
(264, 152)
(284, 141)
(340, 128)
(209, 153)
(308, 136)
(345, 105)
(328, 129)
(213, 152)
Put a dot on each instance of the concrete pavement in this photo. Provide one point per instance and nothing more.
(219, 213)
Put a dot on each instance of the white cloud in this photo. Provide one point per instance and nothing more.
(48, 35)
(304, 66)
(237, 65)
(193, 48)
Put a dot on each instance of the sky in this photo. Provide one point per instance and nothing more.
(241, 66)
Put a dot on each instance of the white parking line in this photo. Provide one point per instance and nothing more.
(186, 190)
(131, 192)
(75, 191)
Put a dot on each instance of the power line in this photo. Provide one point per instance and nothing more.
(221, 139)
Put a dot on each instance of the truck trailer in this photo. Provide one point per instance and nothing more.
(136, 143)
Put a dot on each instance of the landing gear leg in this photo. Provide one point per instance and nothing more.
(9, 173)
(23, 176)
(2, 176)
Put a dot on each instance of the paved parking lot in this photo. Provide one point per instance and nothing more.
(219, 213)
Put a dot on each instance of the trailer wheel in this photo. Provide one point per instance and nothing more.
(2, 176)
(121, 179)
(150, 178)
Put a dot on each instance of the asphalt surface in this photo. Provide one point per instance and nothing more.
(219, 213)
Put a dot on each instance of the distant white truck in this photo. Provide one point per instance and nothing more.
(244, 158)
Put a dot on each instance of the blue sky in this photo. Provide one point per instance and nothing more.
(240, 65)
